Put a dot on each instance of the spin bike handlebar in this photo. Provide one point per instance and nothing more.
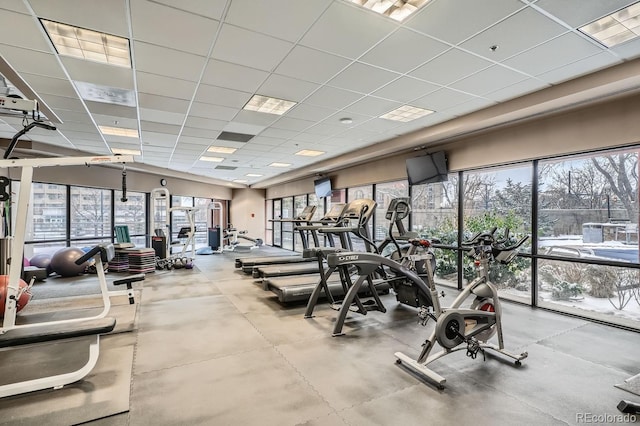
(487, 240)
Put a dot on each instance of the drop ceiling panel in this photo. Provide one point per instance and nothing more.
(67, 115)
(279, 133)
(505, 93)
(109, 120)
(181, 30)
(579, 12)
(446, 23)
(510, 38)
(158, 139)
(399, 52)
(265, 140)
(52, 86)
(288, 123)
(165, 86)
(199, 109)
(362, 78)
(167, 62)
(255, 118)
(373, 106)
(543, 58)
(309, 112)
(249, 48)
(61, 102)
(628, 50)
(203, 123)
(98, 73)
(332, 97)
(311, 65)
(28, 36)
(86, 136)
(111, 110)
(306, 137)
(334, 31)
(32, 62)
(162, 103)
(161, 116)
(584, 66)
(14, 6)
(274, 18)
(442, 99)
(488, 80)
(405, 89)
(222, 96)
(203, 143)
(325, 129)
(233, 76)
(159, 127)
(291, 89)
(105, 16)
(209, 8)
(452, 65)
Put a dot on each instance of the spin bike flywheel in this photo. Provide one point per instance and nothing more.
(485, 304)
(452, 325)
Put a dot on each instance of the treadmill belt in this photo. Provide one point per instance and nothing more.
(247, 267)
(267, 271)
(299, 288)
(240, 261)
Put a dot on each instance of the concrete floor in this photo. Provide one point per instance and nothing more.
(213, 348)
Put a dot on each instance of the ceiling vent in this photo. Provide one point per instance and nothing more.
(225, 168)
(235, 137)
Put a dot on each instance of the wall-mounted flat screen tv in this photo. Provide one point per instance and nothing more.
(430, 168)
(322, 187)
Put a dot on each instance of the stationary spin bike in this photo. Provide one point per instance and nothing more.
(458, 328)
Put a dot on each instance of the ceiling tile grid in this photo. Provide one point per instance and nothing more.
(196, 63)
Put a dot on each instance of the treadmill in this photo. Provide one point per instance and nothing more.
(354, 221)
(247, 263)
(332, 217)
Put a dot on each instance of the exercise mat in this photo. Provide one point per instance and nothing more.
(103, 392)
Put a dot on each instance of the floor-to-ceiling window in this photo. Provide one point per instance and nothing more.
(500, 197)
(357, 193)
(132, 213)
(277, 226)
(587, 214)
(299, 203)
(385, 192)
(90, 216)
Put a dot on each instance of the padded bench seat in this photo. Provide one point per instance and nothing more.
(50, 332)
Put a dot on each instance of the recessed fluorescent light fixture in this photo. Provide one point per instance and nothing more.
(253, 175)
(269, 105)
(616, 28)
(124, 151)
(309, 153)
(119, 131)
(212, 159)
(240, 180)
(406, 113)
(88, 44)
(222, 149)
(398, 10)
(279, 165)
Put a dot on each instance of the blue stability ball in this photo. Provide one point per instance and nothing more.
(63, 262)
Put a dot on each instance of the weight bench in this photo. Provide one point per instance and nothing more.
(128, 280)
(49, 333)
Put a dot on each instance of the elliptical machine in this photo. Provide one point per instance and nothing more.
(470, 328)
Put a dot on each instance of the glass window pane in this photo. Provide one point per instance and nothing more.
(131, 213)
(277, 226)
(385, 192)
(201, 220)
(356, 193)
(179, 218)
(500, 197)
(588, 206)
(287, 227)
(90, 212)
(269, 215)
(601, 292)
(299, 202)
(49, 210)
(434, 210)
